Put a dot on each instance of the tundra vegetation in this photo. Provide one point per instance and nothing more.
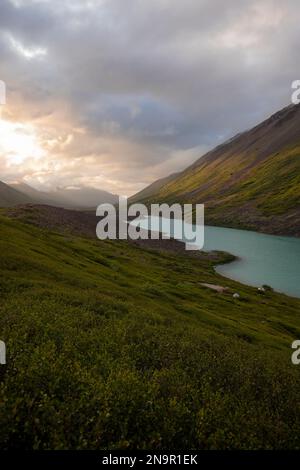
(112, 345)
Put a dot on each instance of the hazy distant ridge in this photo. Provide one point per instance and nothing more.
(83, 198)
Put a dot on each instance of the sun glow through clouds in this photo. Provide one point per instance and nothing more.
(19, 142)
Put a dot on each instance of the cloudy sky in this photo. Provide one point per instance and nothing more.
(117, 93)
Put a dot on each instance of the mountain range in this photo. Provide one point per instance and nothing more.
(82, 198)
(252, 181)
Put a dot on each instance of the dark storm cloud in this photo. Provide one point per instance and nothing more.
(152, 83)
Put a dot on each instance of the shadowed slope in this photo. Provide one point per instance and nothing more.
(11, 197)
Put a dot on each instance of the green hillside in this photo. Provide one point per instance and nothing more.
(104, 350)
(252, 181)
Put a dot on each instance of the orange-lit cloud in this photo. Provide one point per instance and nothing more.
(117, 93)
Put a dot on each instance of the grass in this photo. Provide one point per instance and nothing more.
(113, 346)
(266, 198)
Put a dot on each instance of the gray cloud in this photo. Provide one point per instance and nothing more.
(142, 87)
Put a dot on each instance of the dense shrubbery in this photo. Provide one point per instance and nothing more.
(103, 352)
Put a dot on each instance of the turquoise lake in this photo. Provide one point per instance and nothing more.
(262, 259)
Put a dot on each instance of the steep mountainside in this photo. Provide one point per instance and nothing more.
(11, 197)
(153, 188)
(251, 181)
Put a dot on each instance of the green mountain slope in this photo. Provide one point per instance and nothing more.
(153, 188)
(105, 351)
(251, 181)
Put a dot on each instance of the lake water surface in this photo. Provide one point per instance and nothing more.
(262, 259)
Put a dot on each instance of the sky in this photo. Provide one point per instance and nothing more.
(115, 94)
